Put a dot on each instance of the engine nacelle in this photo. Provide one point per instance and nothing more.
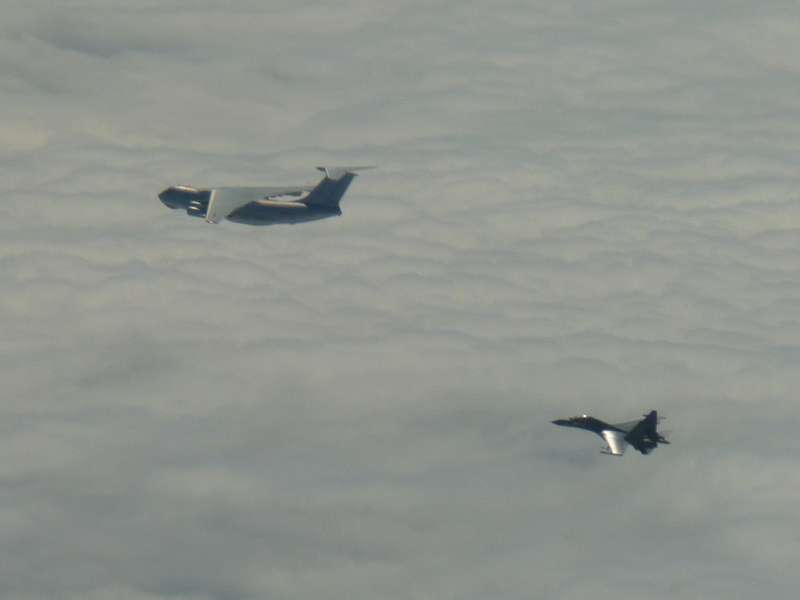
(197, 208)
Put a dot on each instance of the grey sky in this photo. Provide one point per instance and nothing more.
(580, 207)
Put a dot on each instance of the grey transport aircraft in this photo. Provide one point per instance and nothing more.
(265, 205)
(641, 434)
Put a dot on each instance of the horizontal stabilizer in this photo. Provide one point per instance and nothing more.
(337, 173)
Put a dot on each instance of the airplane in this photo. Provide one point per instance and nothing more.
(642, 434)
(265, 205)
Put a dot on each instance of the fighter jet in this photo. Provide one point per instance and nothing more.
(265, 205)
(642, 434)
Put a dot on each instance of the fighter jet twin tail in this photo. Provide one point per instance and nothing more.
(265, 205)
(642, 434)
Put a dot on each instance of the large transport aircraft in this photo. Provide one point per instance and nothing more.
(265, 205)
(642, 434)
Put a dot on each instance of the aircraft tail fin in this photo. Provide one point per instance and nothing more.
(330, 190)
(645, 437)
(650, 424)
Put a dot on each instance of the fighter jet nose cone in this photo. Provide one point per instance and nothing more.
(558, 422)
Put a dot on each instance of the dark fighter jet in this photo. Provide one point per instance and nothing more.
(642, 434)
(265, 205)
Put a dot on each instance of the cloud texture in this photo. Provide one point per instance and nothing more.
(580, 207)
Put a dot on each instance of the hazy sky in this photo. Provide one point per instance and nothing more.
(580, 207)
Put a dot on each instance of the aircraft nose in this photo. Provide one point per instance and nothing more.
(167, 197)
(560, 422)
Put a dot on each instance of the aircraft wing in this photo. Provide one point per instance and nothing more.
(227, 200)
(616, 442)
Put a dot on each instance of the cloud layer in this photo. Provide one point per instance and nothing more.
(579, 208)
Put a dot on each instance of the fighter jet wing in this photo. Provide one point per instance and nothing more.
(227, 200)
(616, 442)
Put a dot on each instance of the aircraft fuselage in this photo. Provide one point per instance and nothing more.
(262, 212)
